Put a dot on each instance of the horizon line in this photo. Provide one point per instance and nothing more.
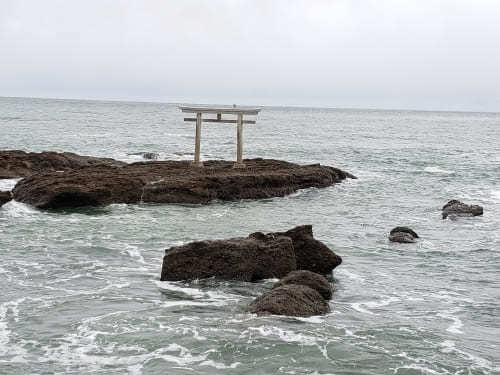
(304, 106)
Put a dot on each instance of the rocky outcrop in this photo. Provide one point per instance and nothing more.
(312, 255)
(172, 182)
(402, 235)
(5, 196)
(255, 257)
(456, 208)
(310, 279)
(17, 163)
(251, 258)
(291, 300)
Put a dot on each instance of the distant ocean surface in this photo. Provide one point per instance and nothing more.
(80, 290)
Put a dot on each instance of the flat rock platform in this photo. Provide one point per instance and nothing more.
(171, 182)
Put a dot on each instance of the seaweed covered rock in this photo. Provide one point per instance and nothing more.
(255, 257)
(310, 279)
(16, 163)
(455, 208)
(402, 235)
(5, 196)
(290, 299)
(172, 182)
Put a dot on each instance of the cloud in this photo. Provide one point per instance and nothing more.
(387, 53)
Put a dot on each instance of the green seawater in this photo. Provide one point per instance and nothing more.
(80, 289)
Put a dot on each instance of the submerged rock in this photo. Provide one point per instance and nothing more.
(312, 255)
(255, 257)
(5, 196)
(403, 235)
(310, 279)
(17, 163)
(172, 182)
(290, 299)
(147, 155)
(457, 208)
(258, 256)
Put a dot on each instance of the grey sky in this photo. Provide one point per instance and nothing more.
(424, 54)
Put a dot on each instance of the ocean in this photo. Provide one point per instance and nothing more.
(81, 291)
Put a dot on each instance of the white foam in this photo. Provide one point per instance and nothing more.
(18, 209)
(496, 195)
(437, 169)
(134, 252)
(373, 305)
(8, 183)
(449, 347)
(456, 325)
(284, 335)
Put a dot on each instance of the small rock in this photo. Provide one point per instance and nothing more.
(307, 278)
(403, 235)
(5, 196)
(291, 300)
(150, 155)
(457, 208)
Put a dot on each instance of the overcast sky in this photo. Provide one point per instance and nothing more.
(416, 54)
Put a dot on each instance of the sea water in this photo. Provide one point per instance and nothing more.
(81, 290)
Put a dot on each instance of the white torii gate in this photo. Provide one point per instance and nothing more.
(219, 111)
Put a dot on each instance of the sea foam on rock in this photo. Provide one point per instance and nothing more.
(171, 182)
(456, 208)
(251, 258)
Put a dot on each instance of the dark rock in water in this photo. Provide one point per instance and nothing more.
(255, 257)
(174, 182)
(150, 155)
(457, 208)
(310, 279)
(147, 155)
(312, 255)
(22, 164)
(258, 256)
(292, 300)
(403, 235)
(5, 196)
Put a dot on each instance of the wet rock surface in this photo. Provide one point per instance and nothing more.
(310, 279)
(5, 196)
(403, 235)
(455, 208)
(255, 257)
(15, 163)
(291, 300)
(312, 255)
(258, 256)
(172, 182)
